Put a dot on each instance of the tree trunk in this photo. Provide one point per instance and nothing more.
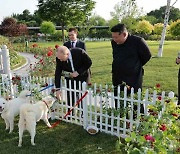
(163, 35)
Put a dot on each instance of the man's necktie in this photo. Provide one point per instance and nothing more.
(72, 44)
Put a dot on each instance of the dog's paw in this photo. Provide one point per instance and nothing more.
(33, 144)
(19, 145)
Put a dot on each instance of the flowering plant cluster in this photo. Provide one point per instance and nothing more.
(16, 80)
(156, 133)
(46, 63)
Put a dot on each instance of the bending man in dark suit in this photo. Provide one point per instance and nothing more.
(75, 61)
(130, 54)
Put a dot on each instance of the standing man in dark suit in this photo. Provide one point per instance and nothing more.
(130, 54)
(73, 41)
(76, 62)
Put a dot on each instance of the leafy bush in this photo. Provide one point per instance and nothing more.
(144, 27)
(15, 59)
(158, 132)
(175, 28)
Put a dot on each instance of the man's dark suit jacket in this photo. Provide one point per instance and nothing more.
(79, 44)
(128, 61)
(81, 62)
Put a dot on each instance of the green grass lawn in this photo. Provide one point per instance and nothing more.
(66, 138)
(158, 70)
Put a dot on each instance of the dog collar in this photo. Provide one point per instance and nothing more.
(46, 104)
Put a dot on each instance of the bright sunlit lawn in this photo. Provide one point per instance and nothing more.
(158, 70)
(66, 138)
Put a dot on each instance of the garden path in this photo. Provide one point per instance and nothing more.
(24, 69)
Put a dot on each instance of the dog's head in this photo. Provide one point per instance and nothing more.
(2, 104)
(49, 100)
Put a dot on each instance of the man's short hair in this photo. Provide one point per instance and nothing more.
(119, 28)
(73, 29)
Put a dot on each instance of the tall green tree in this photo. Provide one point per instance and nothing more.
(47, 27)
(65, 12)
(159, 14)
(27, 18)
(126, 9)
(97, 20)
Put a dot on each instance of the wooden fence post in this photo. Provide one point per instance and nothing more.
(6, 66)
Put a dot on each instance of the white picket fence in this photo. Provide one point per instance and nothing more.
(97, 108)
(4, 60)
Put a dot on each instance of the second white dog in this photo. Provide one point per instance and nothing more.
(12, 107)
(30, 114)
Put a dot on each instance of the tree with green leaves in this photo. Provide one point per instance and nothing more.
(126, 9)
(65, 12)
(126, 12)
(160, 13)
(144, 27)
(47, 27)
(30, 20)
(175, 28)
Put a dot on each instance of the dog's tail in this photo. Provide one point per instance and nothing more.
(27, 118)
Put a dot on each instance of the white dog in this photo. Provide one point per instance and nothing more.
(2, 104)
(30, 114)
(12, 109)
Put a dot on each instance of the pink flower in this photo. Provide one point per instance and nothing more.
(149, 138)
(163, 127)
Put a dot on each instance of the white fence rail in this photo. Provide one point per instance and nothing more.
(96, 109)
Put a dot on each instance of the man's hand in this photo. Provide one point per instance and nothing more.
(177, 60)
(74, 74)
(58, 94)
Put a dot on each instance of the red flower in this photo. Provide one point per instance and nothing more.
(158, 85)
(34, 45)
(36, 56)
(89, 84)
(159, 97)
(46, 84)
(175, 114)
(163, 127)
(50, 53)
(41, 61)
(149, 138)
(18, 78)
(56, 46)
(13, 78)
(98, 91)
